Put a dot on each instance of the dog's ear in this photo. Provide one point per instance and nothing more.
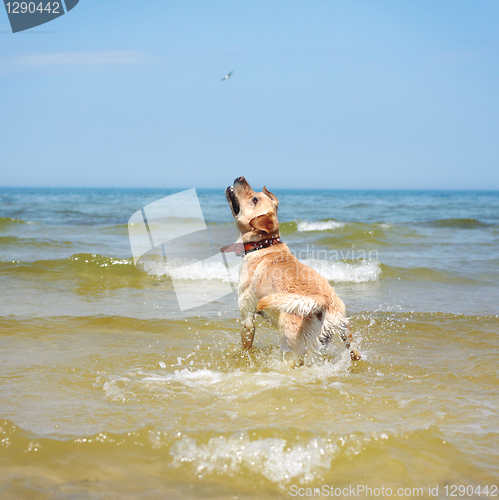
(266, 223)
(272, 196)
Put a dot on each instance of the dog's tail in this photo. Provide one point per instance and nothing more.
(318, 310)
(293, 303)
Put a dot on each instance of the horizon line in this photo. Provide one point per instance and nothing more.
(487, 190)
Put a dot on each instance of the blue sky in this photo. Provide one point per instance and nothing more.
(334, 94)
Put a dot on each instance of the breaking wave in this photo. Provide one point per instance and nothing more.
(338, 271)
(325, 225)
(280, 456)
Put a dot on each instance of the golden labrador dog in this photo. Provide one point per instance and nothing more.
(276, 285)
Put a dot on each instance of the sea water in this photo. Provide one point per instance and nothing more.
(109, 390)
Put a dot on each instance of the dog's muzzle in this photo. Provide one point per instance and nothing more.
(231, 198)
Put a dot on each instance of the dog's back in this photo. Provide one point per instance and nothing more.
(296, 298)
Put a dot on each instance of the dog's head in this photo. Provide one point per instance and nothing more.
(255, 213)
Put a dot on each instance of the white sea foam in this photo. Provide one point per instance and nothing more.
(274, 458)
(319, 225)
(201, 378)
(235, 384)
(355, 272)
(118, 390)
(346, 272)
(189, 269)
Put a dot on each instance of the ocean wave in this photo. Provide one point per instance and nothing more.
(110, 323)
(333, 234)
(85, 271)
(77, 262)
(427, 274)
(325, 225)
(281, 456)
(100, 267)
(32, 242)
(9, 221)
(261, 360)
(456, 223)
(273, 458)
(339, 271)
(189, 269)
(359, 205)
(115, 272)
(119, 229)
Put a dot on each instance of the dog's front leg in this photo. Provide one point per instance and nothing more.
(248, 330)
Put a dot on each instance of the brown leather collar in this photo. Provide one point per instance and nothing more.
(252, 246)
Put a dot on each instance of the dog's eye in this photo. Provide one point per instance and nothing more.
(255, 200)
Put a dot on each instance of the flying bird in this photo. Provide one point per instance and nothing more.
(227, 76)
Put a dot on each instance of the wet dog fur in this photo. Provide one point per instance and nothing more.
(276, 285)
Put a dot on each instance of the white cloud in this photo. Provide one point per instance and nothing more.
(81, 58)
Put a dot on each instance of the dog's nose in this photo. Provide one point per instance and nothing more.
(239, 180)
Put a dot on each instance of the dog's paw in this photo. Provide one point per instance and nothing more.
(354, 354)
(292, 360)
